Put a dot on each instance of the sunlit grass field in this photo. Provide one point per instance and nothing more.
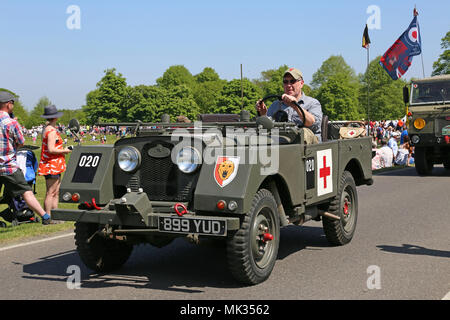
(22, 231)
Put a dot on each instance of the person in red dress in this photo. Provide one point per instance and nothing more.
(53, 161)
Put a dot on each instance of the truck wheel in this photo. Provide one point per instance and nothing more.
(253, 249)
(447, 164)
(100, 254)
(345, 206)
(424, 165)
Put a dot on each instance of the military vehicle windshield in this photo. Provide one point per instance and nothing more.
(434, 92)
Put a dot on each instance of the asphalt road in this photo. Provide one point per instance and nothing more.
(401, 250)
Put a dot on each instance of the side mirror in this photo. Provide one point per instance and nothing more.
(74, 125)
(405, 95)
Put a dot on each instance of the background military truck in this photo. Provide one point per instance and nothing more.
(429, 122)
(181, 180)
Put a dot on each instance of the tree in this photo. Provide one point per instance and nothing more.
(69, 114)
(106, 103)
(338, 96)
(208, 74)
(334, 65)
(271, 81)
(179, 100)
(144, 103)
(442, 65)
(386, 95)
(207, 88)
(175, 76)
(230, 101)
(148, 103)
(35, 118)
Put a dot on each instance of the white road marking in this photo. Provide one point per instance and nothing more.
(447, 296)
(37, 241)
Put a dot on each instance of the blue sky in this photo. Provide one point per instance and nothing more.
(40, 56)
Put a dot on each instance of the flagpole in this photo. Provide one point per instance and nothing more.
(368, 90)
(416, 13)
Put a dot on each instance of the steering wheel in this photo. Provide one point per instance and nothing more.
(281, 115)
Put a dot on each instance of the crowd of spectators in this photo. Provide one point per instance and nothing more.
(87, 133)
(390, 144)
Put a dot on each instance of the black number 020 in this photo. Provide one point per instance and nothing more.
(89, 161)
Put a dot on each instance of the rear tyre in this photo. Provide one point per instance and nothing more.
(345, 206)
(253, 249)
(423, 163)
(100, 254)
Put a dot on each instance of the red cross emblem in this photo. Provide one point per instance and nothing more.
(324, 172)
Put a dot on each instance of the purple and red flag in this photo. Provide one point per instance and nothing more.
(398, 58)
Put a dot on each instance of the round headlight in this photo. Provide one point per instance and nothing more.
(188, 159)
(419, 123)
(128, 159)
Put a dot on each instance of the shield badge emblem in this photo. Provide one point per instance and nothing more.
(225, 170)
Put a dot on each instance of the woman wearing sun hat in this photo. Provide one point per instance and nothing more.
(53, 161)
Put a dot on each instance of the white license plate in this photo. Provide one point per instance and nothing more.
(192, 225)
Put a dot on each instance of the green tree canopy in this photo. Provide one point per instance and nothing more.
(386, 95)
(442, 65)
(334, 65)
(144, 103)
(208, 74)
(35, 118)
(230, 101)
(148, 103)
(69, 114)
(175, 76)
(271, 81)
(207, 88)
(338, 96)
(106, 103)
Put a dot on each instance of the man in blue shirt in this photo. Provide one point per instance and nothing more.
(404, 133)
(293, 84)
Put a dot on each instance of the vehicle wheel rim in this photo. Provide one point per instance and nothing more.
(348, 210)
(262, 231)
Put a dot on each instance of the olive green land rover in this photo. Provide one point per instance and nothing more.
(225, 178)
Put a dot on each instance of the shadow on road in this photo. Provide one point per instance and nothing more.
(438, 171)
(177, 267)
(416, 250)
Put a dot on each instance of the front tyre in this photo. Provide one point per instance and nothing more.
(345, 206)
(423, 163)
(100, 254)
(446, 164)
(253, 249)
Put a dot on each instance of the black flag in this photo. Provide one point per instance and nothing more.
(366, 39)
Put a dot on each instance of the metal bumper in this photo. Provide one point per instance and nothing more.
(134, 210)
(132, 220)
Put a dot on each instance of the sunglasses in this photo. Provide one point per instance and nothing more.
(289, 81)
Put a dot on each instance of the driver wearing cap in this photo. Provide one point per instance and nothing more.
(293, 84)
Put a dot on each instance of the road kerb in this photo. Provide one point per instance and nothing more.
(36, 242)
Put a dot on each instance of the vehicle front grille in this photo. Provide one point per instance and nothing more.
(161, 179)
